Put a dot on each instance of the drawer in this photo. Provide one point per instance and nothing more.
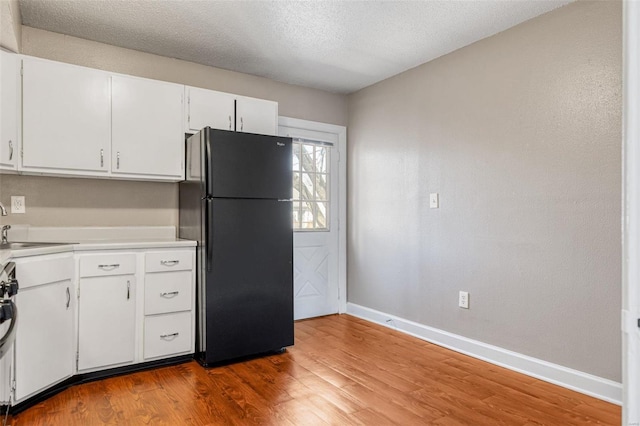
(161, 261)
(167, 334)
(167, 292)
(99, 265)
(33, 271)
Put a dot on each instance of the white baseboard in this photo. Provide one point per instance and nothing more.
(578, 381)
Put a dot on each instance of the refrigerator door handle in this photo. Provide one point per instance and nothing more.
(209, 242)
(206, 145)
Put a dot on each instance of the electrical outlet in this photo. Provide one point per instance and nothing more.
(434, 201)
(463, 299)
(17, 204)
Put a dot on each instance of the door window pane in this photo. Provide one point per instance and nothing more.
(310, 166)
(296, 157)
(307, 216)
(321, 159)
(321, 187)
(296, 185)
(307, 186)
(296, 214)
(321, 215)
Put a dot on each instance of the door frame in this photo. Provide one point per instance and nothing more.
(631, 214)
(341, 132)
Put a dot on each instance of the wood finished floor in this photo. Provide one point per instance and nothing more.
(341, 371)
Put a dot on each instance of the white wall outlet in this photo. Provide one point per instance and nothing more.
(434, 203)
(463, 299)
(17, 204)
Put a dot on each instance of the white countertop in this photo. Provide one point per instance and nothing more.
(92, 238)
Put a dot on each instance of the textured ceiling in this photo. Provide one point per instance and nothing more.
(340, 46)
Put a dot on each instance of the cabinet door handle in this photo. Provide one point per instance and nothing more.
(109, 267)
(241, 124)
(118, 160)
(230, 123)
(169, 294)
(169, 336)
(102, 158)
(128, 289)
(10, 150)
(169, 262)
(68, 297)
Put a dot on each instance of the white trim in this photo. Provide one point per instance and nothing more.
(631, 214)
(588, 384)
(341, 132)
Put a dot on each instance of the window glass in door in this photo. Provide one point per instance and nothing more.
(311, 186)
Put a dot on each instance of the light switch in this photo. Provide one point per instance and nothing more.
(433, 200)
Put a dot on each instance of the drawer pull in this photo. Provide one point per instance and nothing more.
(169, 262)
(169, 336)
(109, 267)
(170, 294)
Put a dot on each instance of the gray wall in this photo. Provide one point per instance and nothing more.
(10, 25)
(73, 201)
(520, 135)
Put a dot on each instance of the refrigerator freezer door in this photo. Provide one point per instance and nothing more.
(249, 303)
(245, 165)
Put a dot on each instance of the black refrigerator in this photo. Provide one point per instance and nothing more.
(236, 202)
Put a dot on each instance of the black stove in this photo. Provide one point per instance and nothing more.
(8, 310)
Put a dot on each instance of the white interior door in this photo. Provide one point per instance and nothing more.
(631, 216)
(317, 207)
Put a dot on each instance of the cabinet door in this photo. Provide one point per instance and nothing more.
(209, 108)
(148, 136)
(44, 336)
(256, 116)
(106, 329)
(9, 110)
(66, 118)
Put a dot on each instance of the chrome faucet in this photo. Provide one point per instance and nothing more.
(5, 228)
(5, 239)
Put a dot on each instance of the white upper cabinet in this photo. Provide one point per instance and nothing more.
(226, 111)
(66, 119)
(256, 116)
(209, 108)
(85, 122)
(9, 110)
(147, 130)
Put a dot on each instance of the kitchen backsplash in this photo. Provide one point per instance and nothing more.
(52, 201)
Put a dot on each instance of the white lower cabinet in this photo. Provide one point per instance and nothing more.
(168, 334)
(45, 342)
(167, 292)
(106, 332)
(134, 307)
(95, 310)
(168, 303)
(107, 310)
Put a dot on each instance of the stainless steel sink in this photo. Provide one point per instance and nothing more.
(17, 245)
